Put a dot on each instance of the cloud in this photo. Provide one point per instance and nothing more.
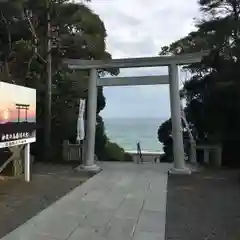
(139, 28)
(137, 47)
(137, 102)
(153, 22)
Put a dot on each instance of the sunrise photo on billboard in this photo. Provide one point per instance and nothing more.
(17, 103)
(17, 112)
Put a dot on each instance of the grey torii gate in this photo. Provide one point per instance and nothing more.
(172, 62)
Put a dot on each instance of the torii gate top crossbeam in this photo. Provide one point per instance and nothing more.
(183, 59)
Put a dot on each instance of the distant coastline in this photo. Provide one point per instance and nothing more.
(144, 152)
(126, 132)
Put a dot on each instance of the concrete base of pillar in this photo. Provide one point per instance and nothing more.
(178, 171)
(91, 169)
(194, 168)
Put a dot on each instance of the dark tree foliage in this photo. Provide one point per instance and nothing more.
(212, 92)
(77, 32)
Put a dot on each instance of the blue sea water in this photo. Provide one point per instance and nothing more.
(127, 132)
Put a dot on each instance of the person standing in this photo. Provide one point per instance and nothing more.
(139, 152)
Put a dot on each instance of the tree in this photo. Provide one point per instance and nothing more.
(77, 32)
(212, 92)
(165, 137)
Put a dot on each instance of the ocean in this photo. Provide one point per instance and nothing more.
(127, 132)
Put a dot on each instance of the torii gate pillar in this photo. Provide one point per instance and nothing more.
(175, 102)
(89, 158)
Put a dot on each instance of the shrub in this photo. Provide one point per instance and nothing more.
(113, 152)
(128, 157)
(166, 158)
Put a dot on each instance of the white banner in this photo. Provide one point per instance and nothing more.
(80, 121)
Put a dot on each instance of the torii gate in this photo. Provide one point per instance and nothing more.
(172, 62)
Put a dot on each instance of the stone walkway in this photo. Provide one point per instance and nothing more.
(125, 201)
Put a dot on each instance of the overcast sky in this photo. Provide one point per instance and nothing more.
(139, 28)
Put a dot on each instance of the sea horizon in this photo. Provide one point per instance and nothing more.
(127, 131)
(141, 117)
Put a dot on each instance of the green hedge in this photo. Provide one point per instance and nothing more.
(113, 152)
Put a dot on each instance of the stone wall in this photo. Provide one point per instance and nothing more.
(147, 156)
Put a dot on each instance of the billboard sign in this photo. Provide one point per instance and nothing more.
(17, 115)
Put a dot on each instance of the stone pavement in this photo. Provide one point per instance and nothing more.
(125, 201)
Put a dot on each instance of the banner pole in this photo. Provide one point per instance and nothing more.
(27, 162)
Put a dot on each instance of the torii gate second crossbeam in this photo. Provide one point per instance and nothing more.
(172, 62)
